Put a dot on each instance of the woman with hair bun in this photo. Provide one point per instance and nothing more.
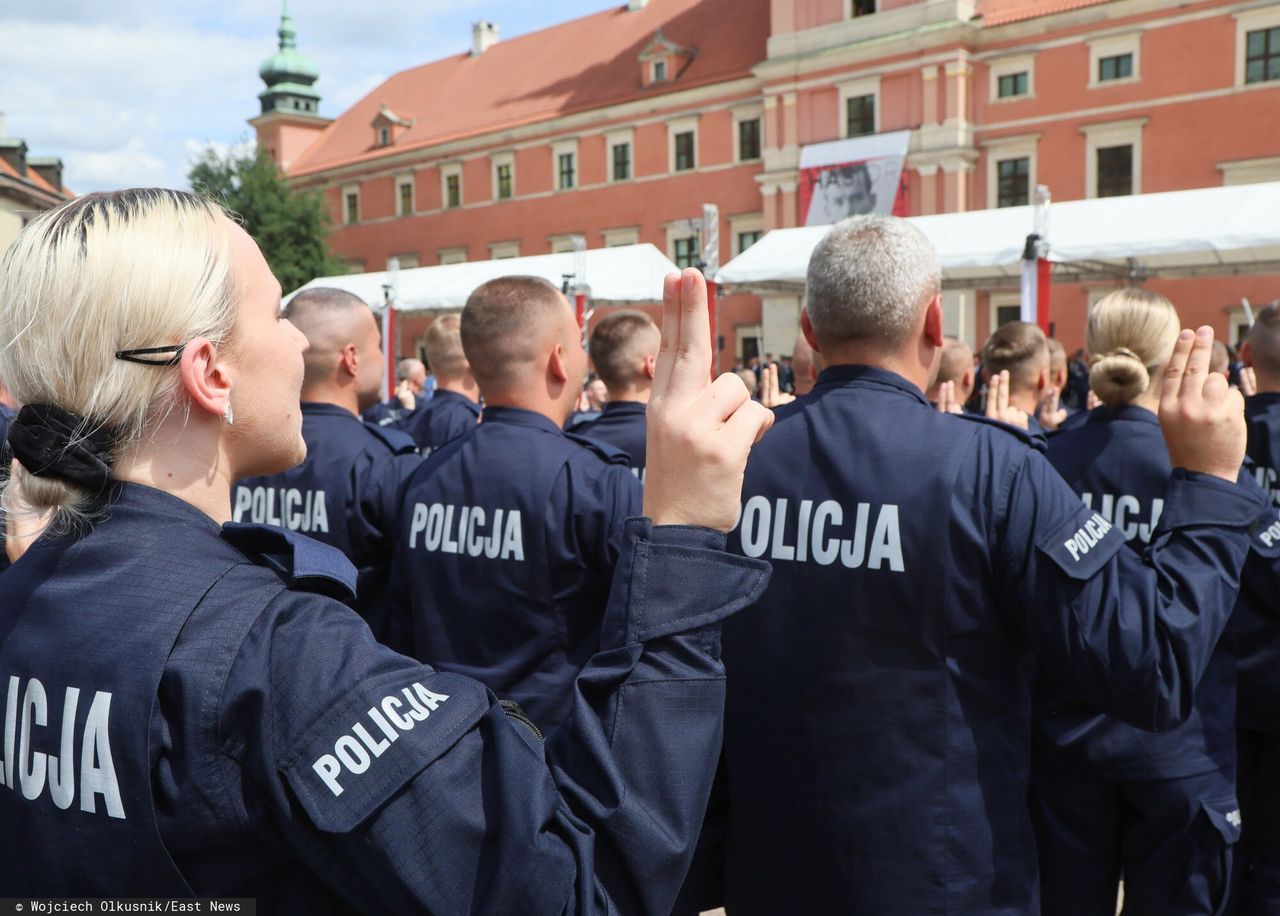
(1112, 802)
(189, 707)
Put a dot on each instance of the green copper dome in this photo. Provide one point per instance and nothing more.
(287, 65)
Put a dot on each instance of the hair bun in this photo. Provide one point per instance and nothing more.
(1119, 377)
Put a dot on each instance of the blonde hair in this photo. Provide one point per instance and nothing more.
(146, 267)
(443, 344)
(1130, 335)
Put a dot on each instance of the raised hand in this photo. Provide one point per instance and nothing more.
(947, 402)
(1202, 417)
(998, 406)
(699, 432)
(1050, 411)
(771, 393)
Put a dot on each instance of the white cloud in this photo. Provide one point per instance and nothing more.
(130, 165)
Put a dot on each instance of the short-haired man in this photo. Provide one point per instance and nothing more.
(410, 394)
(454, 409)
(1257, 638)
(955, 366)
(1019, 348)
(877, 726)
(509, 535)
(352, 467)
(624, 350)
(805, 365)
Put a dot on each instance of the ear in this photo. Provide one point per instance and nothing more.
(967, 379)
(1044, 380)
(349, 360)
(807, 327)
(650, 367)
(557, 365)
(1246, 354)
(933, 322)
(204, 378)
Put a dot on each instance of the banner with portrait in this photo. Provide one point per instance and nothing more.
(850, 177)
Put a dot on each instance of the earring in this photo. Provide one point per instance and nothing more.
(227, 414)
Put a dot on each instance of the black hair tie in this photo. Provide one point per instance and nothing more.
(49, 443)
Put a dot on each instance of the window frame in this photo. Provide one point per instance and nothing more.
(497, 164)
(1247, 21)
(1000, 181)
(350, 194)
(1011, 65)
(1098, 170)
(564, 148)
(453, 170)
(614, 139)
(741, 224)
(1003, 149)
(675, 129)
(854, 89)
(1107, 135)
(403, 182)
(1115, 46)
(850, 9)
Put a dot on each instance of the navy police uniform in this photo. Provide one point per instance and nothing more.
(506, 546)
(188, 710)
(6, 417)
(621, 425)
(1255, 627)
(879, 717)
(338, 495)
(1111, 800)
(440, 420)
(391, 412)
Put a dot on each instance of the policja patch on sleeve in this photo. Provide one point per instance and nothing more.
(1082, 544)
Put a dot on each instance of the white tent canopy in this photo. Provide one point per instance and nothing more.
(1203, 232)
(624, 274)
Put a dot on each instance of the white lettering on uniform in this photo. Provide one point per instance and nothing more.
(1267, 480)
(33, 770)
(1126, 513)
(464, 530)
(355, 751)
(1271, 535)
(875, 539)
(285, 507)
(1087, 537)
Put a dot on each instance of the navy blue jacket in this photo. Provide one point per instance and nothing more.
(507, 542)
(1118, 463)
(621, 425)
(249, 738)
(339, 495)
(391, 412)
(879, 717)
(1255, 625)
(440, 420)
(6, 416)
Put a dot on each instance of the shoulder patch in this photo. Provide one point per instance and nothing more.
(1082, 544)
(1034, 440)
(305, 564)
(371, 743)
(1266, 535)
(610, 453)
(397, 440)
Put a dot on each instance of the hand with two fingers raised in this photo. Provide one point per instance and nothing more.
(1202, 417)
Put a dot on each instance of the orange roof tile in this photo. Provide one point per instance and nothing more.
(1002, 12)
(575, 66)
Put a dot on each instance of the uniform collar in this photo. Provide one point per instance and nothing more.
(1127, 412)
(325, 409)
(623, 408)
(518, 416)
(868, 376)
(141, 498)
(453, 395)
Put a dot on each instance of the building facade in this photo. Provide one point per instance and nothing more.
(619, 126)
(29, 185)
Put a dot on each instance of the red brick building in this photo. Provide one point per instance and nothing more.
(620, 125)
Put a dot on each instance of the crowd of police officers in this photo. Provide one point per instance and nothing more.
(996, 669)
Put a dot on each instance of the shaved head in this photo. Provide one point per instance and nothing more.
(957, 359)
(1264, 343)
(620, 345)
(337, 323)
(443, 343)
(507, 327)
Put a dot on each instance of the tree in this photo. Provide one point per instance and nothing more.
(290, 226)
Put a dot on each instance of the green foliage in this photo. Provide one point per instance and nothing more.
(290, 226)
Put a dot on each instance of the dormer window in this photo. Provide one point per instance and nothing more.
(384, 136)
(662, 60)
(388, 126)
(659, 71)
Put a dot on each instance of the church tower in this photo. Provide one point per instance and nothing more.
(289, 121)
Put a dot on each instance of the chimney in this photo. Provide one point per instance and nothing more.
(484, 35)
(49, 168)
(633, 5)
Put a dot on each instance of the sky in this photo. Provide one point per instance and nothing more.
(128, 92)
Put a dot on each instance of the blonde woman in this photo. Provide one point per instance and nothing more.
(188, 709)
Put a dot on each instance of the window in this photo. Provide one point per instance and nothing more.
(686, 158)
(629, 235)
(352, 214)
(453, 190)
(504, 181)
(406, 197)
(384, 136)
(565, 165)
(747, 239)
(861, 112)
(1011, 85)
(1262, 55)
(501, 251)
(1007, 313)
(686, 253)
(622, 162)
(1013, 182)
(659, 71)
(749, 139)
(453, 255)
(861, 8)
(1115, 171)
(1116, 67)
